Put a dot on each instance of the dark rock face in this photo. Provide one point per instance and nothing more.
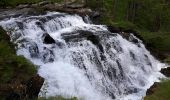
(20, 91)
(34, 86)
(95, 14)
(152, 89)
(113, 29)
(166, 71)
(48, 39)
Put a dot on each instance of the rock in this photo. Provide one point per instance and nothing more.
(22, 91)
(166, 71)
(153, 88)
(23, 6)
(33, 87)
(43, 3)
(75, 6)
(135, 33)
(49, 6)
(84, 11)
(17, 92)
(113, 29)
(95, 14)
(48, 39)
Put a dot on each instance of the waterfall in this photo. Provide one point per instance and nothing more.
(83, 60)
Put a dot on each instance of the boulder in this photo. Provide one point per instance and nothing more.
(43, 3)
(113, 29)
(166, 71)
(48, 39)
(95, 14)
(75, 6)
(34, 5)
(22, 91)
(152, 89)
(33, 87)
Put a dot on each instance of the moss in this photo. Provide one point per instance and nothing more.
(161, 92)
(13, 67)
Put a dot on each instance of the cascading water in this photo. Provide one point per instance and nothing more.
(80, 59)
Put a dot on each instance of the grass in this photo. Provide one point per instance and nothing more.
(157, 40)
(161, 92)
(13, 67)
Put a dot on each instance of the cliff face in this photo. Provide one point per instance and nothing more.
(18, 79)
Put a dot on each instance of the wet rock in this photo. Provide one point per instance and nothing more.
(113, 29)
(95, 14)
(33, 49)
(43, 3)
(17, 91)
(22, 91)
(23, 6)
(75, 6)
(48, 39)
(166, 71)
(33, 87)
(34, 5)
(95, 40)
(135, 33)
(84, 11)
(152, 89)
(47, 55)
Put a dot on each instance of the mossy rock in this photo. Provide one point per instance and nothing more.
(161, 92)
(13, 68)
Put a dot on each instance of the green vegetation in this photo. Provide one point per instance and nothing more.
(161, 92)
(13, 67)
(150, 18)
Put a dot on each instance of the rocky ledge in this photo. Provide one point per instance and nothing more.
(22, 91)
(68, 7)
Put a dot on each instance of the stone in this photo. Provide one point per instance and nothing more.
(75, 6)
(22, 91)
(152, 89)
(43, 3)
(33, 86)
(23, 6)
(166, 71)
(34, 5)
(95, 14)
(48, 39)
(113, 29)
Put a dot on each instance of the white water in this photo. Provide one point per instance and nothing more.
(91, 65)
